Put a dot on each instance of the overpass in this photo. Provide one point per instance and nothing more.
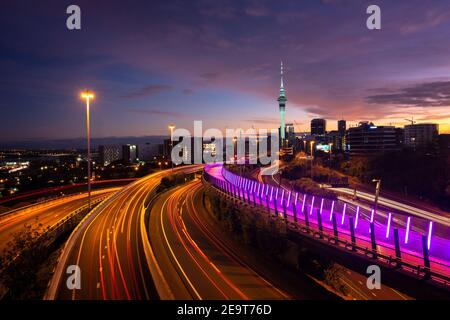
(402, 244)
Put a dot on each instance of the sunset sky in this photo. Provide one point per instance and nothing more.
(152, 63)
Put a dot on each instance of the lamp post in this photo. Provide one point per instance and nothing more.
(377, 193)
(234, 150)
(87, 95)
(311, 144)
(171, 127)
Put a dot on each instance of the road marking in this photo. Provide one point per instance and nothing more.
(173, 254)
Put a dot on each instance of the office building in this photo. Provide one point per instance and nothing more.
(421, 135)
(342, 127)
(367, 139)
(148, 151)
(109, 154)
(318, 127)
(129, 152)
(290, 134)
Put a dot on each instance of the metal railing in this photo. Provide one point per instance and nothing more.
(299, 217)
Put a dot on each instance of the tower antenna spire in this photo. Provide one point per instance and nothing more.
(281, 75)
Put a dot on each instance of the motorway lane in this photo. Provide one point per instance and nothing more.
(108, 248)
(401, 207)
(419, 225)
(401, 210)
(47, 214)
(195, 262)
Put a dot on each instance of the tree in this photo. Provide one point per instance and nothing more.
(22, 257)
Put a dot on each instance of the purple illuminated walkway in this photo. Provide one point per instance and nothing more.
(410, 236)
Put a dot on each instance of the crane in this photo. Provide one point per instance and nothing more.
(411, 120)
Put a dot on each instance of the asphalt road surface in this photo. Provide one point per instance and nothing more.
(108, 248)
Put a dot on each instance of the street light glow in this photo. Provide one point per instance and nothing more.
(87, 95)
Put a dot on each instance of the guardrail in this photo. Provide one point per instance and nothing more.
(37, 204)
(323, 224)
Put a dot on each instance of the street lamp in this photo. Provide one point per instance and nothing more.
(234, 149)
(171, 128)
(87, 95)
(311, 143)
(330, 145)
(377, 193)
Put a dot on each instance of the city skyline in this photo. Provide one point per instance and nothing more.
(151, 66)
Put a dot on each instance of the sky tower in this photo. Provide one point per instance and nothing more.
(282, 106)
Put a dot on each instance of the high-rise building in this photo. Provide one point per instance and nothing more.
(129, 153)
(400, 136)
(342, 126)
(421, 135)
(290, 134)
(109, 154)
(340, 141)
(444, 146)
(282, 108)
(368, 138)
(334, 139)
(147, 151)
(318, 127)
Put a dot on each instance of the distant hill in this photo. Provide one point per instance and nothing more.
(78, 143)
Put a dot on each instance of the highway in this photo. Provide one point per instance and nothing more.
(195, 261)
(398, 206)
(108, 246)
(406, 208)
(47, 214)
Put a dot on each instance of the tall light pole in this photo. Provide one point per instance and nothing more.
(171, 127)
(87, 95)
(311, 144)
(330, 145)
(234, 149)
(377, 193)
